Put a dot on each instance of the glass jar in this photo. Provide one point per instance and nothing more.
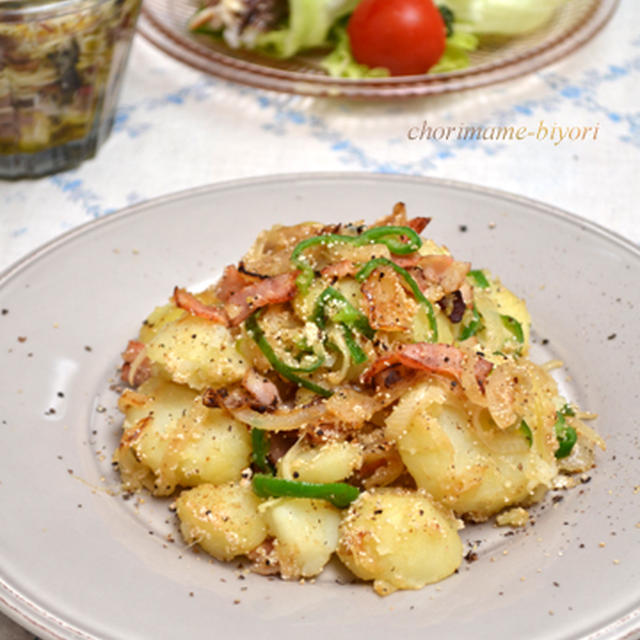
(61, 67)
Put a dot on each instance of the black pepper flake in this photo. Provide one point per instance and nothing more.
(471, 556)
(556, 584)
(613, 336)
(377, 512)
(60, 394)
(463, 228)
(5, 312)
(191, 594)
(70, 472)
(557, 499)
(585, 480)
(87, 348)
(545, 341)
(296, 474)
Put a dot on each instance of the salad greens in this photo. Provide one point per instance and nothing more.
(502, 17)
(286, 28)
(340, 63)
(308, 27)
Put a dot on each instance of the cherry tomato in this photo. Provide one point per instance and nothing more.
(407, 37)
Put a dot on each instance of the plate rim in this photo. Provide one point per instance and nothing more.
(32, 616)
(238, 183)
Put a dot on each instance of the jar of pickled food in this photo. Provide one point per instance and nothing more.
(61, 67)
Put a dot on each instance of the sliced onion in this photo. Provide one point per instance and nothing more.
(282, 419)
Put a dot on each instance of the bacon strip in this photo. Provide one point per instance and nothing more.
(418, 224)
(407, 261)
(435, 358)
(232, 281)
(242, 304)
(190, 303)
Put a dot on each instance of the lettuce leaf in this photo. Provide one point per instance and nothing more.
(502, 17)
(310, 22)
(340, 63)
(456, 53)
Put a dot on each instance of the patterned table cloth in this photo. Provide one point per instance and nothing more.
(177, 128)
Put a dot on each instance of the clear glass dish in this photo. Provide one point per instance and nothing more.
(61, 66)
(164, 22)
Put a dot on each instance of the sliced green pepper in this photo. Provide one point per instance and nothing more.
(392, 237)
(260, 445)
(339, 494)
(566, 436)
(290, 373)
(473, 327)
(357, 354)
(526, 432)
(372, 265)
(345, 314)
(514, 327)
(567, 411)
(479, 279)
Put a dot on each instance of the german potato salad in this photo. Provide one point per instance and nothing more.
(345, 389)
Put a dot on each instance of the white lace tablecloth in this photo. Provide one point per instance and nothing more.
(177, 128)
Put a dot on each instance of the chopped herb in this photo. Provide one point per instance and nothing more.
(479, 279)
(339, 494)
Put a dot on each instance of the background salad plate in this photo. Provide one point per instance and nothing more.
(164, 22)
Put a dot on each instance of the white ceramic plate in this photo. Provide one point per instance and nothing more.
(79, 562)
